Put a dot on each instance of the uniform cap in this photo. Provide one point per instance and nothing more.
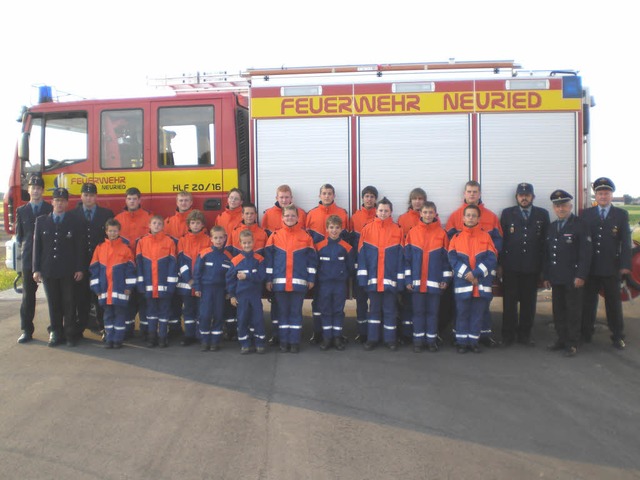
(560, 196)
(89, 188)
(370, 189)
(36, 180)
(61, 193)
(524, 188)
(603, 183)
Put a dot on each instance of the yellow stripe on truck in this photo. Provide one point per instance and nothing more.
(157, 182)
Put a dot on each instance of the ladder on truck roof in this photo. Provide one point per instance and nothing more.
(242, 81)
(494, 66)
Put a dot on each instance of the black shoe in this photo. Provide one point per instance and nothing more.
(72, 342)
(586, 337)
(362, 339)
(417, 348)
(53, 339)
(186, 341)
(273, 341)
(462, 349)
(117, 345)
(163, 342)
(432, 347)
(488, 342)
(339, 342)
(393, 346)
(284, 348)
(245, 351)
(25, 338)
(619, 344)
(260, 350)
(570, 352)
(325, 344)
(108, 345)
(554, 347)
(315, 339)
(214, 347)
(295, 348)
(153, 343)
(475, 349)
(368, 346)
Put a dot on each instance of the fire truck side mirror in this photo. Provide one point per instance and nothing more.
(23, 147)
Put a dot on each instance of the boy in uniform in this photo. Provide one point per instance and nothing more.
(381, 274)
(474, 260)
(427, 274)
(113, 277)
(291, 263)
(134, 224)
(157, 278)
(336, 260)
(317, 227)
(209, 284)
(189, 245)
(244, 285)
(249, 222)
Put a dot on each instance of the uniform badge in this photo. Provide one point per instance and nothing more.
(512, 229)
(568, 238)
(615, 230)
(69, 235)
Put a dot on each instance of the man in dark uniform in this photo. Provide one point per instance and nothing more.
(566, 265)
(611, 258)
(524, 230)
(92, 217)
(58, 257)
(25, 223)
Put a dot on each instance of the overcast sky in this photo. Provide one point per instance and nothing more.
(108, 49)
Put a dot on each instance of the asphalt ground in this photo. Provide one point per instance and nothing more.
(139, 413)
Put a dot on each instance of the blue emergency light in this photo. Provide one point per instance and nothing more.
(44, 94)
(572, 87)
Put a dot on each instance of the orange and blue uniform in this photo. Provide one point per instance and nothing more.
(209, 278)
(133, 226)
(113, 273)
(426, 267)
(248, 293)
(176, 225)
(157, 278)
(259, 239)
(381, 274)
(317, 228)
(229, 219)
(336, 260)
(189, 245)
(489, 223)
(472, 250)
(291, 263)
(272, 218)
(408, 220)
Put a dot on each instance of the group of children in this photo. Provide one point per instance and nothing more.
(222, 275)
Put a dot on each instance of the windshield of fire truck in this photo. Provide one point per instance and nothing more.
(62, 141)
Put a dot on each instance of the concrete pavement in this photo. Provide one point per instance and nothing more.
(90, 413)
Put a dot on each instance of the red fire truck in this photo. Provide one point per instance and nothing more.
(395, 126)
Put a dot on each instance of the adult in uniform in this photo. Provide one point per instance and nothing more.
(524, 230)
(92, 218)
(58, 261)
(25, 224)
(611, 259)
(566, 266)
